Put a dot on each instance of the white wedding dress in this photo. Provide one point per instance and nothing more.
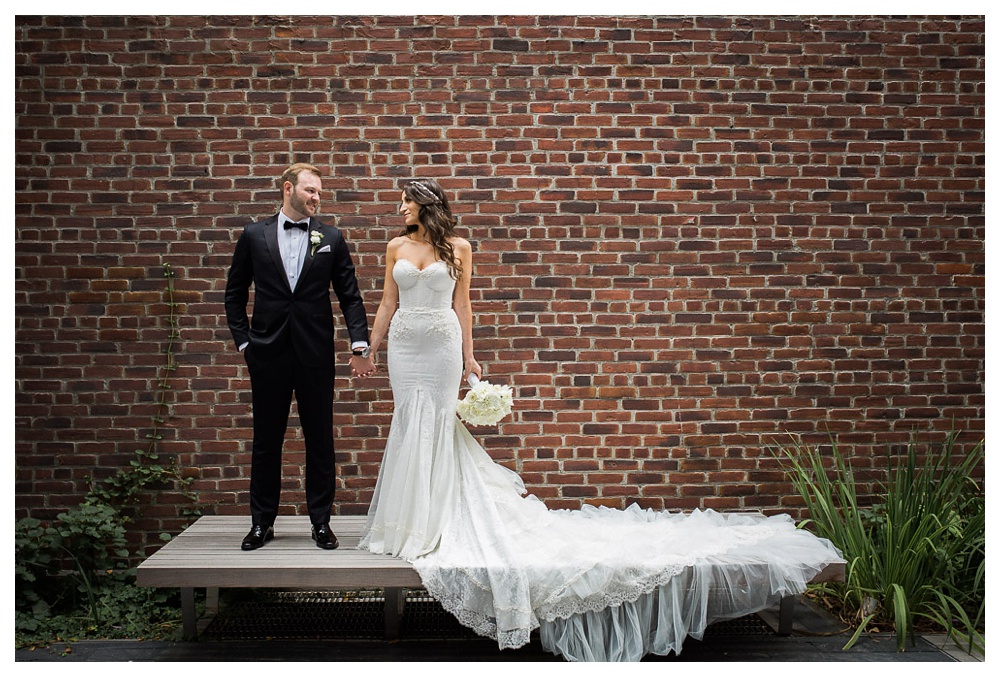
(598, 584)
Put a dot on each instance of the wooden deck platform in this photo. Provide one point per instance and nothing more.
(207, 555)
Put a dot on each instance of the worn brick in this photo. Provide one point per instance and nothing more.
(691, 239)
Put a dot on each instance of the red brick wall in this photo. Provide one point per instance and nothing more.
(692, 236)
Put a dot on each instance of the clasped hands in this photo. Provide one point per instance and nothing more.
(362, 367)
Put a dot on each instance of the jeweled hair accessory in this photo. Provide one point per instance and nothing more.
(423, 192)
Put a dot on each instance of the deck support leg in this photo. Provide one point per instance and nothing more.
(394, 600)
(188, 613)
(786, 614)
(211, 601)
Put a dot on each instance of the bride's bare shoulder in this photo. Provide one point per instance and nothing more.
(460, 244)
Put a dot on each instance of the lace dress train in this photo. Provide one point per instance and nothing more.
(598, 584)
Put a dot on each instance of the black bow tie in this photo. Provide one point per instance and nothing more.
(304, 225)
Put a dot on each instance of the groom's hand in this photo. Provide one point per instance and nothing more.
(362, 367)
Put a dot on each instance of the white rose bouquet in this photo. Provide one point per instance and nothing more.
(485, 403)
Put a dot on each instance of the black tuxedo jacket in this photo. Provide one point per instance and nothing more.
(300, 320)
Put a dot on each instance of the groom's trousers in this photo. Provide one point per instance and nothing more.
(273, 381)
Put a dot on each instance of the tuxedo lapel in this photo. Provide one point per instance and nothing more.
(307, 264)
(271, 241)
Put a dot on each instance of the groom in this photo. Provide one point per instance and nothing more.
(292, 260)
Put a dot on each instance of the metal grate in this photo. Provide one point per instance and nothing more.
(425, 618)
(283, 614)
(261, 614)
(744, 626)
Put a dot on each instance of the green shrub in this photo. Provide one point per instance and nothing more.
(71, 582)
(35, 562)
(916, 550)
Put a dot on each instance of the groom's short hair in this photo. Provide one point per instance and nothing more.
(292, 173)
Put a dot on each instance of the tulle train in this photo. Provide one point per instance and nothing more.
(598, 584)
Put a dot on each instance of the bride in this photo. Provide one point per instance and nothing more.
(598, 583)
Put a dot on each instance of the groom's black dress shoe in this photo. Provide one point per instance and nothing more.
(258, 536)
(324, 537)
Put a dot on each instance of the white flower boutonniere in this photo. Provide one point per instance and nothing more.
(315, 237)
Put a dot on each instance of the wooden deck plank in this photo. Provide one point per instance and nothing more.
(207, 554)
(835, 571)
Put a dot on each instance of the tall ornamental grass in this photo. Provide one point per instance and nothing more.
(916, 549)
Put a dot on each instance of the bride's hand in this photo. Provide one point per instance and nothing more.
(472, 367)
(363, 367)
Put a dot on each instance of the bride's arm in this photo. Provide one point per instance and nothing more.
(390, 300)
(463, 308)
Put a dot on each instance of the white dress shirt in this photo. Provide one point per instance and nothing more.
(293, 243)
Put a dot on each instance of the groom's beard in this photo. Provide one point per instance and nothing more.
(303, 207)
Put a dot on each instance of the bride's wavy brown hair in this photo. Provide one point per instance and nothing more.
(437, 220)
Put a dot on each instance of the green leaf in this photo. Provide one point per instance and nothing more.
(919, 535)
